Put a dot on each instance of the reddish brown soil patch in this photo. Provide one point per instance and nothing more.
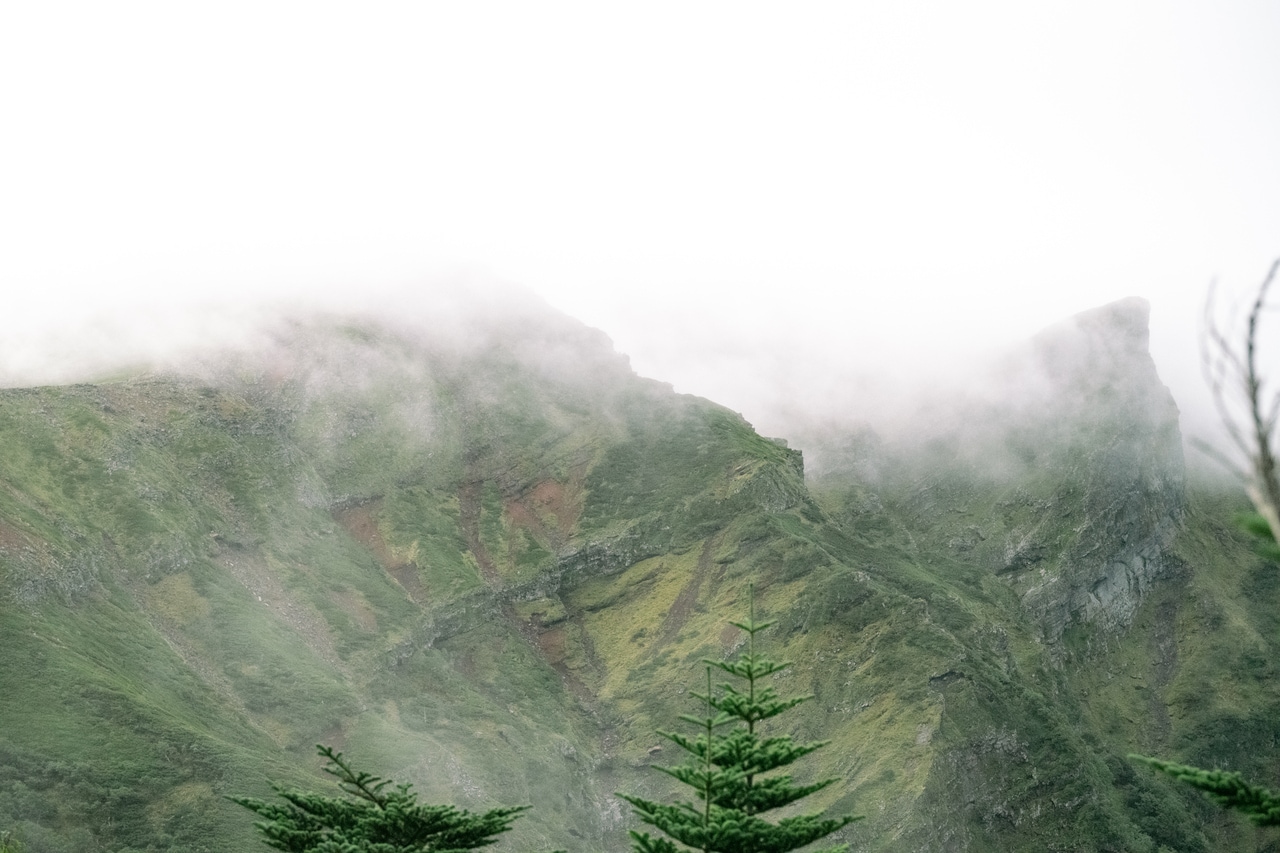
(563, 502)
(11, 538)
(729, 635)
(469, 518)
(551, 643)
(524, 517)
(549, 510)
(362, 523)
(406, 574)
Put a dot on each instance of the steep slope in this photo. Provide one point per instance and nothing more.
(1070, 473)
(478, 553)
(349, 534)
(1064, 482)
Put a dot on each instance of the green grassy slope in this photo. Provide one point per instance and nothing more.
(493, 568)
(202, 579)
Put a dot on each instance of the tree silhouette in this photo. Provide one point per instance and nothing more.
(371, 819)
(728, 772)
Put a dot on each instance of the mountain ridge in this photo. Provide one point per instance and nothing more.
(491, 570)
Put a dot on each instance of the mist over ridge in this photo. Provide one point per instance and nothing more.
(463, 539)
(785, 389)
(437, 382)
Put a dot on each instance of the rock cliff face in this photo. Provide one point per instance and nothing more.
(1064, 476)
(1064, 482)
(1107, 432)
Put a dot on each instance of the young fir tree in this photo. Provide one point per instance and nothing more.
(372, 819)
(727, 770)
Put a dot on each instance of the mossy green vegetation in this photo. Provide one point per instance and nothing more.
(490, 571)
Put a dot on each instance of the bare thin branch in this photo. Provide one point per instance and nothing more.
(1234, 380)
(1218, 456)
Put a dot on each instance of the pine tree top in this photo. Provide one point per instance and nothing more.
(727, 772)
(371, 819)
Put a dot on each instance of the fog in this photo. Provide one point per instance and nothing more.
(907, 380)
(811, 215)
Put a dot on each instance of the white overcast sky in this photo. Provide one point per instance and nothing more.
(753, 200)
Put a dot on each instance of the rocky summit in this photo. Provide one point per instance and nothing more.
(479, 554)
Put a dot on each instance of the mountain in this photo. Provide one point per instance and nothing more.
(473, 550)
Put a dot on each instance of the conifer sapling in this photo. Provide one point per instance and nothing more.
(729, 771)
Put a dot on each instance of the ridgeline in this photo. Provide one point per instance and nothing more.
(489, 562)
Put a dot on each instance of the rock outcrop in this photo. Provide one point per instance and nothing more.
(1061, 471)
(1104, 432)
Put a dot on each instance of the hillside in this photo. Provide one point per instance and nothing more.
(482, 555)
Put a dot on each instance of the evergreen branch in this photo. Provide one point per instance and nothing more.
(646, 843)
(1226, 788)
(716, 721)
(768, 794)
(760, 755)
(751, 626)
(750, 666)
(366, 786)
(753, 710)
(708, 780)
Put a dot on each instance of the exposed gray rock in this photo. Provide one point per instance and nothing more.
(1116, 470)
(1062, 473)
